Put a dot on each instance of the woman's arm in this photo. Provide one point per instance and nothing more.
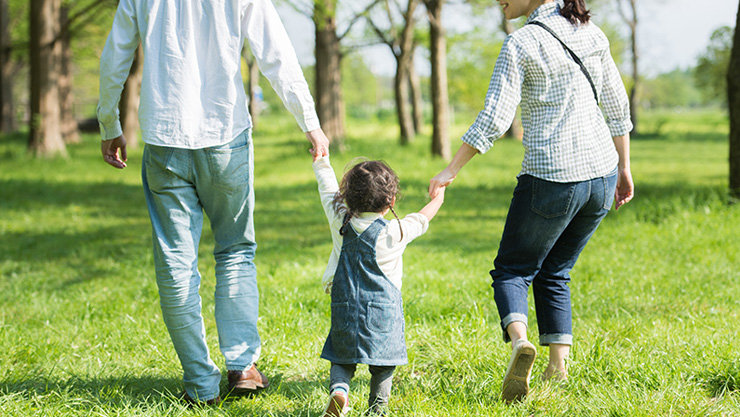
(444, 178)
(625, 186)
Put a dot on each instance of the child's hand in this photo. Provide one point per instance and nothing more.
(440, 193)
(319, 143)
(430, 210)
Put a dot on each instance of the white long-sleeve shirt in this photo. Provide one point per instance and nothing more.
(192, 94)
(389, 247)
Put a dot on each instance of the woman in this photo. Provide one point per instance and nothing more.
(575, 166)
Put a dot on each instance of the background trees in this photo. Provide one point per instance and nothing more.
(733, 94)
(399, 37)
(447, 64)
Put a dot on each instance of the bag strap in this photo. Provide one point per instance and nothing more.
(572, 54)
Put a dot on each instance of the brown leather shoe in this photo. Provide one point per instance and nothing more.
(197, 403)
(247, 382)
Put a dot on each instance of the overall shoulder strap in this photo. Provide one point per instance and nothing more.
(572, 54)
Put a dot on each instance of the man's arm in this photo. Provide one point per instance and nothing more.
(277, 60)
(115, 64)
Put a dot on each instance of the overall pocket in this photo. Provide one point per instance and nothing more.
(343, 338)
(380, 317)
(551, 199)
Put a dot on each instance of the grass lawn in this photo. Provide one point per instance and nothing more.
(656, 294)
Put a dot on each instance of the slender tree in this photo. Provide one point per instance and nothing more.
(440, 98)
(417, 104)
(7, 111)
(45, 137)
(400, 39)
(329, 53)
(68, 122)
(631, 20)
(733, 94)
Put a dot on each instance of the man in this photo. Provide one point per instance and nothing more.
(199, 157)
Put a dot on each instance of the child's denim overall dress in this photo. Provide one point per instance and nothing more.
(367, 323)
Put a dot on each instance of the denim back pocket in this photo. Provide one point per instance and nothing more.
(156, 163)
(610, 187)
(229, 164)
(551, 199)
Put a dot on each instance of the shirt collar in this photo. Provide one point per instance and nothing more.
(544, 10)
(369, 215)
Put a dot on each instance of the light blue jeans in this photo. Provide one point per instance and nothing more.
(180, 184)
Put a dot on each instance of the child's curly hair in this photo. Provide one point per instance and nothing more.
(369, 186)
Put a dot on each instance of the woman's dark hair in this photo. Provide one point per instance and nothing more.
(575, 11)
(369, 186)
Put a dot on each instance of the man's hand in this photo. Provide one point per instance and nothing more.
(110, 148)
(319, 143)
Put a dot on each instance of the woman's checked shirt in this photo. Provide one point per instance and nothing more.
(567, 136)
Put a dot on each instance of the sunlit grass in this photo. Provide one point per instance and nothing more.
(655, 294)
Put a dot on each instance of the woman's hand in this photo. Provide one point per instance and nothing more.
(625, 188)
(444, 178)
(439, 182)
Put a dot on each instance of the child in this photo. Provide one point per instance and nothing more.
(364, 277)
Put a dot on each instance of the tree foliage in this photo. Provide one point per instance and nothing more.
(710, 72)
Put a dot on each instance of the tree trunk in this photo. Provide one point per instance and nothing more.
(440, 100)
(733, 94)
(405, 43)
(636, 83)
(416, 100)
(401, 90)
(128, 107)
(329, 101)
(252, 85)
(7, 110)
(635, 91)
(45, 138)
(68, 122)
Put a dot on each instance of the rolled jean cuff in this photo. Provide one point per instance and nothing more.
(239, 367)
(556, 338)
(511, 318)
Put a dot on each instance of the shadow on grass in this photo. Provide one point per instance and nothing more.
(724, 381)
(152, 392)
(107, 198)
(657, 203)
(75, 225)
(117, 392)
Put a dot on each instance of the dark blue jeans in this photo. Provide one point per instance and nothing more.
(547, 227)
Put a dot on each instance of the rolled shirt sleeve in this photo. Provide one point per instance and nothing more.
(277, 60)
(115, 64)
(614, 100)
(502, 99)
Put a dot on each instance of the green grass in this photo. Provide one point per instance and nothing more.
(656, 294)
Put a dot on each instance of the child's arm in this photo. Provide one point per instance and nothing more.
(430, 210)
(328, 187)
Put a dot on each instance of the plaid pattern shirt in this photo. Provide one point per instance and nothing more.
(567, 136)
